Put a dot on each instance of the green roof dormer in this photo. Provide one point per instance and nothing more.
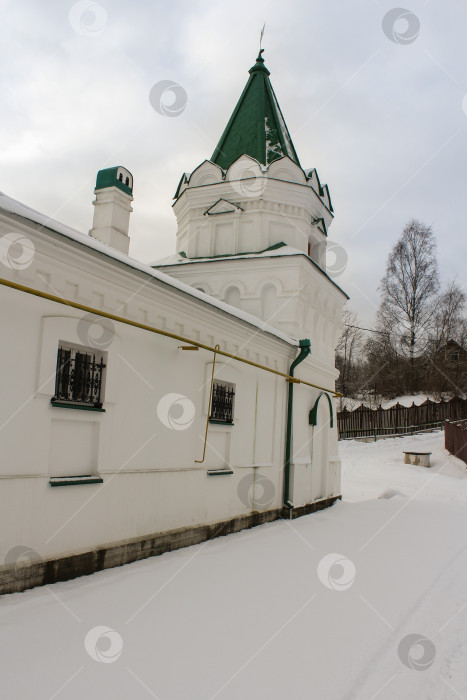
(115, 177)
(257, 127)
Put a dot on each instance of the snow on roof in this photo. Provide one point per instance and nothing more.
(178, 259)
(407, 400)
(276, 251)
(12, 206)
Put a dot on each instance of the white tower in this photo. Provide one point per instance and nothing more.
(114, 194)
(252, 225)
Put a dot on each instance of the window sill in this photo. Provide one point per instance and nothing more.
(80, 407)
(75, 480)
(219, 472)
(213, 421)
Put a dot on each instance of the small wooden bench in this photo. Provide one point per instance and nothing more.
(422, 459)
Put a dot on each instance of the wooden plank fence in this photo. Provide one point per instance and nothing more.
(398, 420)
(455, 438)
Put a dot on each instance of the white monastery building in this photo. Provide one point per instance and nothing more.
(146, 408)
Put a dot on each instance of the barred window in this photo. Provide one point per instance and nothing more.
(79, 376)
(223, 402)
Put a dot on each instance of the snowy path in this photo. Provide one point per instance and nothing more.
(250, 616)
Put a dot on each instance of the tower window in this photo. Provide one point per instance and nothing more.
(127, 181)
(120, 177)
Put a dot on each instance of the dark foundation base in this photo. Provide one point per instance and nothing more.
(28, 575)
(292, 513)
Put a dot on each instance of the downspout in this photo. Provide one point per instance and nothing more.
(305, 350)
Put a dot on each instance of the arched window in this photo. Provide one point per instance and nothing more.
(268, 303)
(232, 296)
(127, 181)
(120, 177)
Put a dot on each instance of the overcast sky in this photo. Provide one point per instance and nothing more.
(382, 120)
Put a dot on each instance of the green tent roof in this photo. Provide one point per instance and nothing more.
(256, 127)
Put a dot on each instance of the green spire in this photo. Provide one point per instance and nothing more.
(256, 127)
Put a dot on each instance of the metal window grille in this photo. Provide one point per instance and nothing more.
(79, 377)
(222, 403)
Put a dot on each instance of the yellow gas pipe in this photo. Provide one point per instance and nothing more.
(159, 331)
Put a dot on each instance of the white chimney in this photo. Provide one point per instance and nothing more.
(114, 194)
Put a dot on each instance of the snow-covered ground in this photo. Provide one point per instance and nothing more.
(371, 468)
(366, 600)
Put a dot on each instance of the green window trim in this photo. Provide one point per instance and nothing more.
(80, 407)
(75, 480)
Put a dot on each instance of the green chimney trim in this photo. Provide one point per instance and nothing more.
(108, 178)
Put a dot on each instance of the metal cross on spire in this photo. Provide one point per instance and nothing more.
(261, 37)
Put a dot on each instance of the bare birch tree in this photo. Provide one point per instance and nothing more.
(409, 288)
